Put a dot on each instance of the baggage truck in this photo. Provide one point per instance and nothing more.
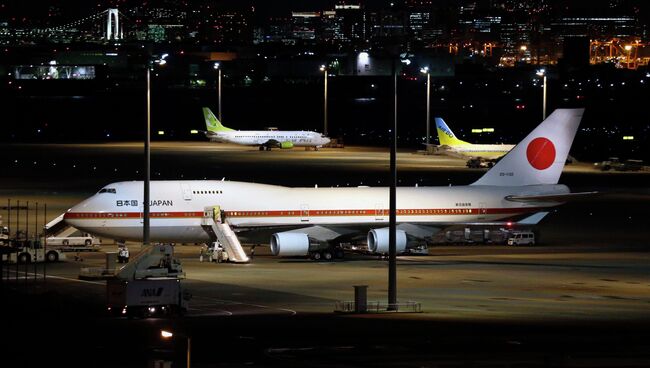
(149, 297)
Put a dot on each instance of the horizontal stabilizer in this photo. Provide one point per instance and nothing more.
(552, 197)
(533, 219)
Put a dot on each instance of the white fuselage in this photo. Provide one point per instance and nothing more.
(177, 207)
(261, 137)
(482, 150)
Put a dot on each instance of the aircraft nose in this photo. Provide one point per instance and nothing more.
(72, 216)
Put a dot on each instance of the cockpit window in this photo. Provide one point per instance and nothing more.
(107, 190)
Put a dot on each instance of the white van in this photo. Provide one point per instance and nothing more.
(521, 238)
(86, 240)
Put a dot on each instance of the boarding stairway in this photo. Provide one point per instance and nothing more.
(222, 233)
(59, 228)
(153, 261)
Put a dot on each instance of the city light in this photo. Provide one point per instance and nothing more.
(216, 66)
(363, 57)
(541, 72)
(424, 70)
(166, 334)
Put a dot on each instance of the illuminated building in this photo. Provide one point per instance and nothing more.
(305, 25)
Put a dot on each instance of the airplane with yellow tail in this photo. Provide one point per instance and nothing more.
(264, 139)
(452, 144)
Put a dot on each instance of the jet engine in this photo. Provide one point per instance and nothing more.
(286, 145)
(378, 240)
(289, 244)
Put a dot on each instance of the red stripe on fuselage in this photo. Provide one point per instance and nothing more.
(128, 215)
(307, 213)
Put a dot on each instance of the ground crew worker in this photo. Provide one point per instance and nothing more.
(219, 250)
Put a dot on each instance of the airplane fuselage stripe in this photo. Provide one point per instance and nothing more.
(303, 213)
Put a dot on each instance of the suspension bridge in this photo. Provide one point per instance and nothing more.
(107, 25)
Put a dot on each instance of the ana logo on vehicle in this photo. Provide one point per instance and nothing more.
(540, 153)
(152, 292)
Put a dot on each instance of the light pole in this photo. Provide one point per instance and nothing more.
(147, 162)
(168, 335)
(425, 70)
(542, 73)
(323, 69)
(628, 48)
(217, 67)
(147, 155)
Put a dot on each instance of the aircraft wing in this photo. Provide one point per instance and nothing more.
(323, 234)
(448, 151)
(533, 219)
(327, 233)
(417, 231)
(552, 197)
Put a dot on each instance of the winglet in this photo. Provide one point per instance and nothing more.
(446, 136)
(212, 123)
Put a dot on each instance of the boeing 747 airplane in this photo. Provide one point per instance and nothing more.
(449, 141)
(303, 221)
(265, 139)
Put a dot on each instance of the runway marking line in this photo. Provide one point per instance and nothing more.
(293, 312)
(209, 312)
(60, 278)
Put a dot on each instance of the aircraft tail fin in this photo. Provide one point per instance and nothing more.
(212, 123)
(446, 136)
(540, 157)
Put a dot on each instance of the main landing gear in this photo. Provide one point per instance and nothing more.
(327, 254)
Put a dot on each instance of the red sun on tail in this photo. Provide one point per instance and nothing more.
(540, 153)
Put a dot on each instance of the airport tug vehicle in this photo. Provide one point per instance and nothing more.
(28, 253)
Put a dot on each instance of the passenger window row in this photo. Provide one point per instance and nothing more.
(207, 191)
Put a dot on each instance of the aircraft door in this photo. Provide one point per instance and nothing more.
(304, 213)
(482, 211)
(380, 212)
(187, 192)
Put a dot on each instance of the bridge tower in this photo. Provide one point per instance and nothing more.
(113, 32)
